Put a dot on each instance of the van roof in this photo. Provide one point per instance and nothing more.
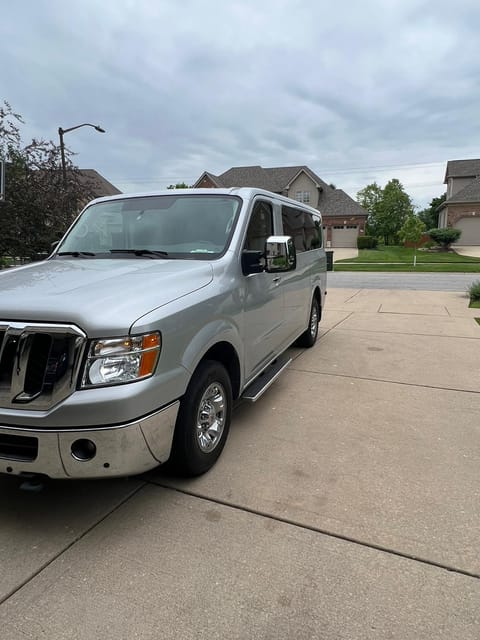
(247, 193)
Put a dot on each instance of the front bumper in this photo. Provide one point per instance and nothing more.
(119, 450)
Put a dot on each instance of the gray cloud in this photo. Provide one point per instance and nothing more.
(186, 87)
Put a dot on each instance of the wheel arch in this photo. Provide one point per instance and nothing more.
(224, 353)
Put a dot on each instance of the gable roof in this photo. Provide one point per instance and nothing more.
(462, 169)
(470, 193)
(337, 203)
(276, 179)
(213, 178)
(99, 185)
(332, 202)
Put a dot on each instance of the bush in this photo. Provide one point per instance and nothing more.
(366, 242)
(445, 237)
(474, 291)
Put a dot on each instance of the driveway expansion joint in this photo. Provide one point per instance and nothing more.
(324, 532)
(385, 381)
(72, 543)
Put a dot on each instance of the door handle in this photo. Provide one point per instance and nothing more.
(277, 279)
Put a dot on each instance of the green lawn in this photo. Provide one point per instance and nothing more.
(394, 258)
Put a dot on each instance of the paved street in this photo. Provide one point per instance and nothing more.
(345, 505)
(405, 281)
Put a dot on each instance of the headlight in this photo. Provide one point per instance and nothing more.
(119, 360)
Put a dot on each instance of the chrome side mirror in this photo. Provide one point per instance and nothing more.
(280, 254)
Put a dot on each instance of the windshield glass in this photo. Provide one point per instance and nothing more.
(170, 226)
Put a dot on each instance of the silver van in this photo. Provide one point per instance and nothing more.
(128, 346)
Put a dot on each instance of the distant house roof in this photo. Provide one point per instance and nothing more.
(212, 177)
(462, 169)
(276, 179)
(332, 202)
(337, 203)
(99, 185)
(470, 193)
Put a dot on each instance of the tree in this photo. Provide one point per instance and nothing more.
(387, 208)
(38, 205)
(412, 231)
(429, 215)
(445, 237)
(179, 185)
(369, 199)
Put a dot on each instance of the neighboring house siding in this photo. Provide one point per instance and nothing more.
(304, 185)
(461, 209)
(205, 183)
(339, 233)
(465, 217)
(457, 184)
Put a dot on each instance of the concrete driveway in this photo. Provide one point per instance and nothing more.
(345, 505)
(344, 253)
(473, 252)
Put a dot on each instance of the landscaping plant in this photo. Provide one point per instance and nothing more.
(474, 291)
(445, 237)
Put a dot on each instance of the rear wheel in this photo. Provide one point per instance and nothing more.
(203, 420)
(309, 337)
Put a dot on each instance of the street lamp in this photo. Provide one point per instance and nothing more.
(61, 132)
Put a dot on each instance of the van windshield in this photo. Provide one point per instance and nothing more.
(173, 226)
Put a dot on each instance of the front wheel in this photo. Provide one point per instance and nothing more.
(309, 337)
(203, 420)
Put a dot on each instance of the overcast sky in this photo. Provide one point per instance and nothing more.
(357, 90)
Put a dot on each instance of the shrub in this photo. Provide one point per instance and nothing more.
(474, 291)
(445, 237)
(366, 242)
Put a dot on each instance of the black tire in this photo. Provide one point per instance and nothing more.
(201, 435)
(309, 337)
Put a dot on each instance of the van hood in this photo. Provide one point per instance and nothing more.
(102, 297)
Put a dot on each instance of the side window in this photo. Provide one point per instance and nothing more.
(293, 225)
(304, 227)
(260, 226)
(313, 231)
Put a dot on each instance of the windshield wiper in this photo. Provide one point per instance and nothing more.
(76, 254)
(142, 252)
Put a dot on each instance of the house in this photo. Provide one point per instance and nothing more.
(98, 185)
(461, 209)
(343, 218)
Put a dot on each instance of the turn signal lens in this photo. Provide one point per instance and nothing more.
(151, 345)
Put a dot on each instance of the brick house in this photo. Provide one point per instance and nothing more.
(343, 218)
(461, 209)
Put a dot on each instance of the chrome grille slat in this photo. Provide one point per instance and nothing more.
(39, 363)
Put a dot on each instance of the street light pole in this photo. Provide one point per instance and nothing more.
(61, 133)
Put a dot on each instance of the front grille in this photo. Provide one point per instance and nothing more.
(38, 363)
(21, 448)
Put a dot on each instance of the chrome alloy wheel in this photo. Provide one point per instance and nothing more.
(211, 417)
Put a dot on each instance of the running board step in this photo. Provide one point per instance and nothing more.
(258, 387)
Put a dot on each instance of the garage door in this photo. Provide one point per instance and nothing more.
(344, 236)
(470, 231)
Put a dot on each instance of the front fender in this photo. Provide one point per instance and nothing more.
(216, 331)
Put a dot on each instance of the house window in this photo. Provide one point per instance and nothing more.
(302, 196)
